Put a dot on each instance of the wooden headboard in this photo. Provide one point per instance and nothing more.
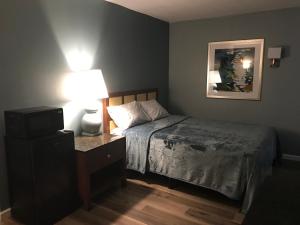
(119, 98)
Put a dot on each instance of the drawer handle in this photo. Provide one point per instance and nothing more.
(108, 156)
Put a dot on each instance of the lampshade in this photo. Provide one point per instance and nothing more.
(214, 77)
(85, 85)
(274, 53)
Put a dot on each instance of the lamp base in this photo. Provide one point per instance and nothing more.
(91, 123)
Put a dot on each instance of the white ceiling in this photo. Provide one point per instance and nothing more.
(181, 10)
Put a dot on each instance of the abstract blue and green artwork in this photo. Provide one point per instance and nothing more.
(236, 69)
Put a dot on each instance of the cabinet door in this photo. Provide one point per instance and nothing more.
(54, 176)
(19, 163)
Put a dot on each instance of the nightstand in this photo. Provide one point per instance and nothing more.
(100, 164)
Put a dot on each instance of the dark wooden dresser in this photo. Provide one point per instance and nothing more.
(100, 164)
(42, 178)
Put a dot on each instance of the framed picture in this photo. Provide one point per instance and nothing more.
(235, 69)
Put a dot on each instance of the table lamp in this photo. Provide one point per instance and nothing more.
(87, 87)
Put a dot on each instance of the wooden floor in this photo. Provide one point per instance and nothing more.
(151, 202)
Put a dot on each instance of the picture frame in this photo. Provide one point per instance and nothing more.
(234, 69)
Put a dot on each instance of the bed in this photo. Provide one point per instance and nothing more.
(230, 158)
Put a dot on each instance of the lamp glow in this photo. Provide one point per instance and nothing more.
(247, 63)
(79, 60)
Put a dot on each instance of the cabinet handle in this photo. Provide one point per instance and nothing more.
(108, 156)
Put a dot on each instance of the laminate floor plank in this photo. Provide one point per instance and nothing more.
(167, 207)
(176, 204)
(208, 218)
(136, 214)
(86, 217)
(184, 195)
(167, 217)
(71, 220)
(113, 216)
(148, 202)
(169, 198)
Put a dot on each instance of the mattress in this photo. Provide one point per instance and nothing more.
(230, 158)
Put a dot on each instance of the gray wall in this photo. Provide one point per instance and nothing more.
(279, 105)
(130, 48)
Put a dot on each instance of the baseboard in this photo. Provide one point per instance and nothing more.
(2, 213)
(291, 157)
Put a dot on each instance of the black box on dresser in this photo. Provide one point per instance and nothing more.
(33, 122)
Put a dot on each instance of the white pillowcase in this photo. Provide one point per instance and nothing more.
(117, 131)
(128, 115)
(154, 110)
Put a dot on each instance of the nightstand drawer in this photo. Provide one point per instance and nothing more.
(108, 154)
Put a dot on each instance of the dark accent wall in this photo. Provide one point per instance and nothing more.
(130, 48)
(279, 106)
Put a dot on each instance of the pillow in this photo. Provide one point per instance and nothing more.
(117, 131)
(128, 115)
(154, 110)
